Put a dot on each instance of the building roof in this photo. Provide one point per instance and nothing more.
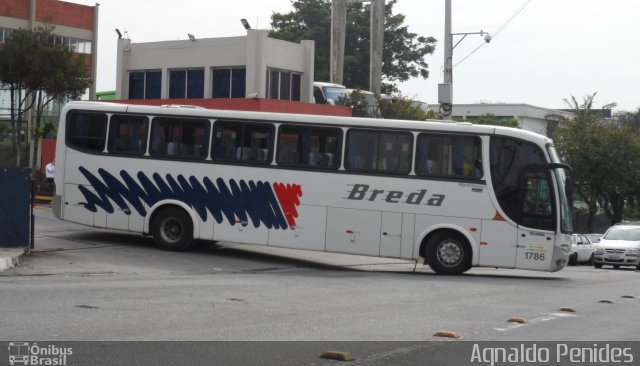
(505, 109)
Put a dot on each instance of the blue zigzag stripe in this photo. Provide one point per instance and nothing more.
(244, 200)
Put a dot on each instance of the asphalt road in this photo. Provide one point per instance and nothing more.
(83, 284)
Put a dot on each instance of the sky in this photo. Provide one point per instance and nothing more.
(550, 51)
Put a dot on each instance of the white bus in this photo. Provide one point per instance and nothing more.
(456, 194)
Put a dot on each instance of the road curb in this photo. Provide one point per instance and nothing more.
(10, 257)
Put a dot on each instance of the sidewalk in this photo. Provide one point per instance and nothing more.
(9, 257)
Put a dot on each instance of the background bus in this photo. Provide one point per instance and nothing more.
(457, 195)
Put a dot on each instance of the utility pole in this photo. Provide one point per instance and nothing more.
(445, 90)
(377, 45)
(338, 35)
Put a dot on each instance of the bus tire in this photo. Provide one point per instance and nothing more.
(172, 229)
(573, 259)
(448, 253)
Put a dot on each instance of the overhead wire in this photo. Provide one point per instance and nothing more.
(496, 32)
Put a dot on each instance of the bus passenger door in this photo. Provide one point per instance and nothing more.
(536, 229)
(391, 234)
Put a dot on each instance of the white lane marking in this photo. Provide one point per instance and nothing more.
(540, 319)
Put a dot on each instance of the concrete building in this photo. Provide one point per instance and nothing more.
(531, 118)
(251, 66)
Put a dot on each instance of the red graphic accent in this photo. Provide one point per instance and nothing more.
(288, 198)
(498, 217)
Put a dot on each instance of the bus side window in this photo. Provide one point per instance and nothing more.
(308, 146)
(87, 130)
(242, 141)
(128, 134)
(379, 151)
(445, 155)
(179, 138)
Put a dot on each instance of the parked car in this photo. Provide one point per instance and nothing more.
(593, 238)
(581, 250)
(620, 246)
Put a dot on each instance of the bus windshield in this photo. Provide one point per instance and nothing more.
(335, 93)
(522, 182)
(564, 189)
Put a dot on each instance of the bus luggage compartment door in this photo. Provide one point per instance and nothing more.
(353, 231)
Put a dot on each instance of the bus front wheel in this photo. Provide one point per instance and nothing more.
(448, 253)
(172, 229)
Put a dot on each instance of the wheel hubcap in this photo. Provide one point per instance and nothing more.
(171, 230)
(449, 253)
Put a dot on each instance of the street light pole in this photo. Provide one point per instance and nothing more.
(445, 90)
(448, 48)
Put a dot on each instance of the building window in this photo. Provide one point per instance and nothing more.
(177, 84)
(282, 84)
(186, 84)
(145, 84)
(229, 83)
(5, 35)
(74, 44)
(295, 87)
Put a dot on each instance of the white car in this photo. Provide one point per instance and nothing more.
(581, 250)
(594, 238)
(620, 246)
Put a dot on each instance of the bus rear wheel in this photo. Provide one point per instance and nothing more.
(448, 253)
(172, 229)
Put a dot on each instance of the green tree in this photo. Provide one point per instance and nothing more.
(37, 73)
(629, 119)
(15, 58)
(401, 108)
(605, 159)
(403, 56)
(490, 119)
